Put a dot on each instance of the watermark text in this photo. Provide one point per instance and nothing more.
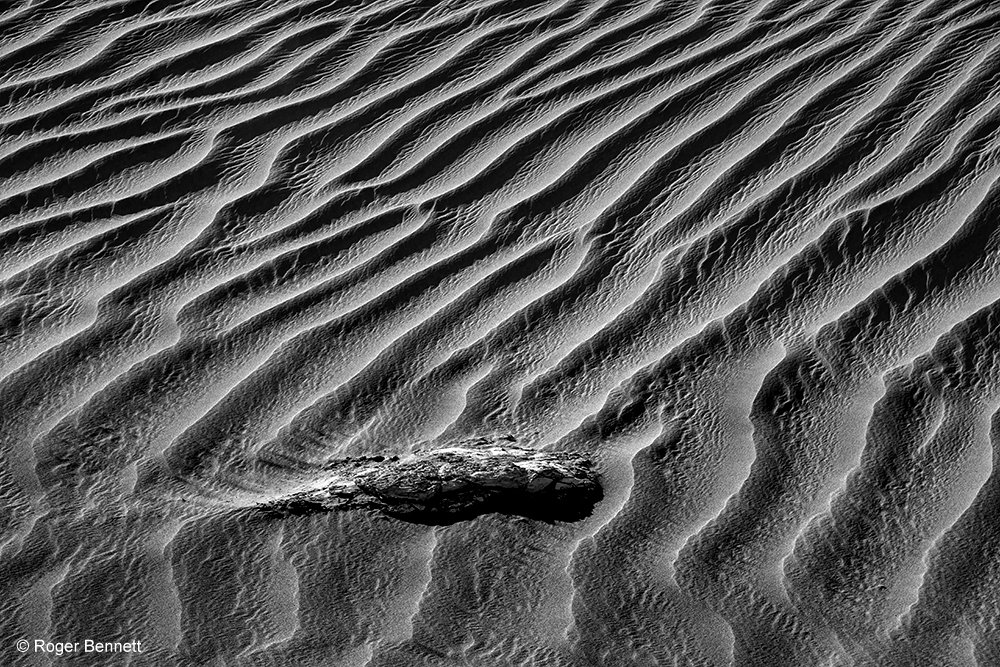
(70, 648)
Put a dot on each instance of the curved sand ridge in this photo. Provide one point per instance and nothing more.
(742, 254)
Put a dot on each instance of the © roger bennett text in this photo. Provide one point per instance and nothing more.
(85, 646)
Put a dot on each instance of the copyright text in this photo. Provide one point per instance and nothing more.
(86, 646)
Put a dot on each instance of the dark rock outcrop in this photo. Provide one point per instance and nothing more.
(447, 485)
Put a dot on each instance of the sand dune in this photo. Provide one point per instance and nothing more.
(742, 254)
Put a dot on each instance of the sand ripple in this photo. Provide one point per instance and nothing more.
(743, 253)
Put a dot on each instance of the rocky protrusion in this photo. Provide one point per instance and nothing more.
(445, 485)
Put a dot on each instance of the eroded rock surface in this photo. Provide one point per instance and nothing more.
(445, 485)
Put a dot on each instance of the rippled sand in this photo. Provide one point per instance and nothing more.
(744, 254)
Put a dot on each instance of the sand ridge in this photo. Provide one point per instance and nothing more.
(742, 254)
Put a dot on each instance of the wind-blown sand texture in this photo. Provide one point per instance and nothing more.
(742, 254)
